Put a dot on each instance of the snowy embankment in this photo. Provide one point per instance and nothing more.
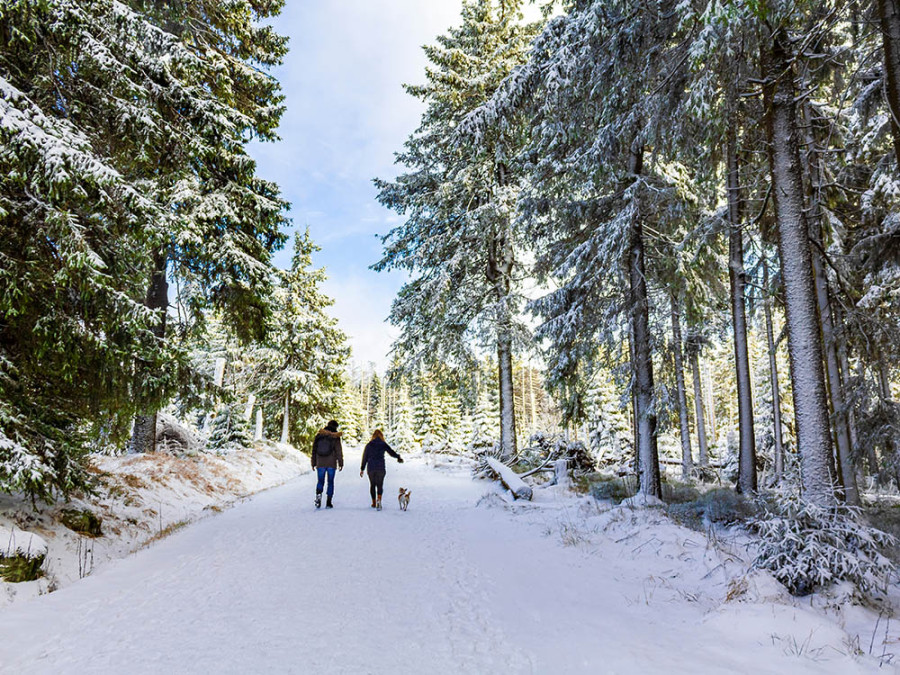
(140, 498)
(466, 581)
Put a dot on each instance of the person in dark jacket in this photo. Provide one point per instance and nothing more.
(373, 459)
(327, 457)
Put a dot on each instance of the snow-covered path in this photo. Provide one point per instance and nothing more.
(273, 586)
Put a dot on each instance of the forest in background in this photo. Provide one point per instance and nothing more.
(636, 234)
(682, 181)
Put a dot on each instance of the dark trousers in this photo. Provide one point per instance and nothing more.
(376, 483)
(325, 471)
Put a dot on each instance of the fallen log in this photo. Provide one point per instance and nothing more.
(510, 479)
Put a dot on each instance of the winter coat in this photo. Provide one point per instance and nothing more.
(328, 442)
(373, 456)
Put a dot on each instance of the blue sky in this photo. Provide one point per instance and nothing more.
(346, 116)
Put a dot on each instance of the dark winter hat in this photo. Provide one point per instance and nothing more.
(332, 425)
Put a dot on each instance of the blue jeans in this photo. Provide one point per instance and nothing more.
(325, 471)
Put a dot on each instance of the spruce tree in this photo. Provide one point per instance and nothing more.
(297, 371)
(459, 241)
(225, 221)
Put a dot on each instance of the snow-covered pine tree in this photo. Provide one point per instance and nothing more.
(459, 239)
(401, 435)
(123, 132)
(863, 247)
(229, 429)
(297, 372)
(82, 87)
(350, 414)
(607, 421)
(223, 222)
(598, 91)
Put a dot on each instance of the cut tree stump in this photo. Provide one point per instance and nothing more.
(510, 479)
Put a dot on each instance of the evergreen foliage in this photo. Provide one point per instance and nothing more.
(229, 429)
(807, 546)
(459, 201)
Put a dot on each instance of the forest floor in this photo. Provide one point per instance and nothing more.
(463, 582)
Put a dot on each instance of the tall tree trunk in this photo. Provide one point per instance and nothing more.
(635, 440)
(531, 395)
(699, 412)
(709, 403)
(501, 261)
(645, 413)
(747, 453)
(507, 406)
(687, 461)
(804, 338)
(500, 266)
(844, 357)
(143, 435)
(846, 470)
(889, 14)
(884, 391)
(773, 377)
(286, 421)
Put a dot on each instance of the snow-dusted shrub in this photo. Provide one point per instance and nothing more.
(18, 568)
(807, 546)
(38, 459)
(21, 555)
(82, 521)
(728, 448)
(229, 429)
(722, 506)
(675, 492)
(615, 489)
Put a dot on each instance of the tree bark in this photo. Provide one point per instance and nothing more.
(645, 413)
(846, 471)
(143, 435)
(709, 404)
(889, 14)
(804, 338)
(773, 375)
(699, 412)
(507, 406)
(635, 440)
(687, 461)
(285, 423)
(747, 453)
(531, 396)
(500, 264)
(884, 391)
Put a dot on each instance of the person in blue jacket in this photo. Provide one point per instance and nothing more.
(373, 459)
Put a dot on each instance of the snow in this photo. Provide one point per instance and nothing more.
(464, 582)
(139, 498)
(510, 479)
(17, 542)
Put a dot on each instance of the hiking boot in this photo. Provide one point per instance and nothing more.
(373, 503)
(328, 504)
(378, 504)
(318, 499)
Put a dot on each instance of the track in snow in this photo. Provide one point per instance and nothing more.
(274, 586)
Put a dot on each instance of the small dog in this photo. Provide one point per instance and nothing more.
(403, 498)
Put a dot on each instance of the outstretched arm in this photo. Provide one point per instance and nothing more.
(393, 454)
